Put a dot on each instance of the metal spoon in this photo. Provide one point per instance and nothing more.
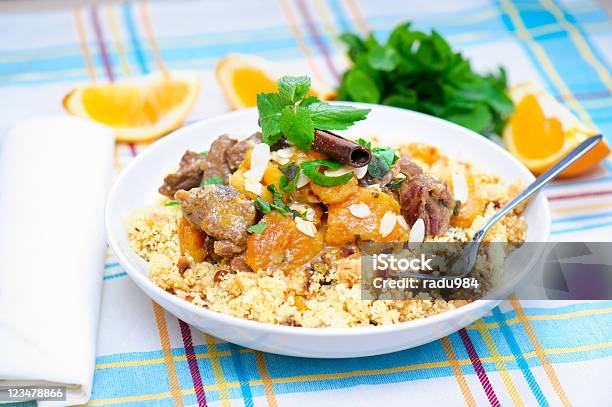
(467, 258)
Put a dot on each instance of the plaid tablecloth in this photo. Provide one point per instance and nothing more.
(524, 353)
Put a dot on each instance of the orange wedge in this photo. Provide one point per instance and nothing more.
(541, 131)
(139, 109)
(242, 77)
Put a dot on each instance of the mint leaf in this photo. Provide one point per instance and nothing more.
(361, 87)
(172, 203)
(269, 106)
(258, 228)
(293, 88)
(383, 58)
(382, 159)
(311, 170)
(366, 143)
(297, 127)
(335, 117)
(216, 180)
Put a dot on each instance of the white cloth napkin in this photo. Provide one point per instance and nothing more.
(54, 176)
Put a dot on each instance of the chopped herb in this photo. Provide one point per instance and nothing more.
(258, 228)
(204, 153)
(382, 158)
(396, 183)
(262, 205)
(216, 180)
(377, 167)
(277, 201)
(311, 170)
(289, 177)
(172, 203)
(293, 115)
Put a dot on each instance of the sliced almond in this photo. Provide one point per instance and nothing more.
(345, 169)
(302, 180)
(402, 221)
(259, 161)
(285, 152)
(253, 186)
(460, 187)
(306, 227)
(361, 171)
(375, 187)
(301, 208)
(387, 223)
(359, 210)
(281, 160)
(417, 233)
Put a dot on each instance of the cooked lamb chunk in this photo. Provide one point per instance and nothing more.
(189, 174)
(422, 196)
(216, 163)
(239, 264)
(236, 154)
(227, 248)
(220, 211)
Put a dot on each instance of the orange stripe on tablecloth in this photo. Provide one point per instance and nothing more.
(299, 38)
(85, 51)
(500, 366)
(355, 10)
(215, 363)
(456, 368)
(539, 350)
(164, 338)
(143, 10)
(262, 367)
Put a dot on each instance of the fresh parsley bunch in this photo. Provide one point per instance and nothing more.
(421, 72)
(290, 113)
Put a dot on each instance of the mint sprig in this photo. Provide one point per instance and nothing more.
(293, 115)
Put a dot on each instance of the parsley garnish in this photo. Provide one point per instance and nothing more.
(311, 169)
(262, 205)
(172, 203)
(258, 228)
(419, 71)
(294, 116)
(216, 180)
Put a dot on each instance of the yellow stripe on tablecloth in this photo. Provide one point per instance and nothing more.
(330, 28)
(85, 51)
(456, 368)
(540, 352)
(501, 366)
(327, 376)
(544, 61)
(571, 209)
(215, 363)
(487, 325)
(299, 38)
(116, 36)
(164, 338)
(265, 377)
(580, 42)
(143, 10)
(355, 10)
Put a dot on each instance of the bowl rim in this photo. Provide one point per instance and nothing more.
(145, 284)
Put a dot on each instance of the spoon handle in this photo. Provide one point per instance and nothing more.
(543, 179)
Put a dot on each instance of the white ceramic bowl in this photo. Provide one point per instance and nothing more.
(137, 187)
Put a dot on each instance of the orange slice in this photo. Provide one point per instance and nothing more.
(139, 109)
(242, 77)
(541, 131)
